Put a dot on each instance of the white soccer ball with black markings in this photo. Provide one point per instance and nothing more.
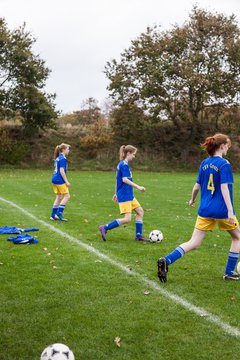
(238, 267)
(156, 236)
(57, 352)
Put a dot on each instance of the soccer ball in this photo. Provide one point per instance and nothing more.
(238, 267)
(156, 236)
(57, 352)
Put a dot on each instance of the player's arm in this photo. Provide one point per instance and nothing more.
(131, 183)
(114, 198)
(63, 174)
(227, 199)
(195, 191)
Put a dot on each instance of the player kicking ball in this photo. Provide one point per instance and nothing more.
(124, 195)
(215, 180)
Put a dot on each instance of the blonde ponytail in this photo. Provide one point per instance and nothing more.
(59, 149)
(124, 149)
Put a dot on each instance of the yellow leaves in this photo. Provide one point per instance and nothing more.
(117, 341)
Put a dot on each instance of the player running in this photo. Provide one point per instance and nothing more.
(124, 195)
(60, 181)
(215, 180)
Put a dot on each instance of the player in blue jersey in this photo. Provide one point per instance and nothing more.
(124, 195)
(215, 181)
(60, 182)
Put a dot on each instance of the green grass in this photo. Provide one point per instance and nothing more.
(58, 291)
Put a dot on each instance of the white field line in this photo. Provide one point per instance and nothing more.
(227, 328)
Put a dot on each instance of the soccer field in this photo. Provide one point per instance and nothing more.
(75, 289)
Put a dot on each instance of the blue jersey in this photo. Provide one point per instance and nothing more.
(213, 172)
(124, 191)
(60, 162)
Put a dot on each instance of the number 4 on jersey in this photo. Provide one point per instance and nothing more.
(210, 185)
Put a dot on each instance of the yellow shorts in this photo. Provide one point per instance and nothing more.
(128, 206)
(207, 224)
(60, 189)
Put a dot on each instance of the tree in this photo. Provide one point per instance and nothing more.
(22, 79)
(128, 123)
(175, 74)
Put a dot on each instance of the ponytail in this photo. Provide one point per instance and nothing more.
(59, 149)
(213, 143)
(124, 149)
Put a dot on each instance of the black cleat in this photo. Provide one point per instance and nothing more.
(234, 276)
(162, 270)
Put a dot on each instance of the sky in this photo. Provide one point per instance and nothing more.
(76, 38)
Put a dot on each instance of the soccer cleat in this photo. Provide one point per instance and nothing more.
(54, 218)
(141, 238)
(162, 270)
(61, 218)
(234, 276)
(103, 232)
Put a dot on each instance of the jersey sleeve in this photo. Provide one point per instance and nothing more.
(126, 171)
(226, 176)
(62, 163)
(198, 181)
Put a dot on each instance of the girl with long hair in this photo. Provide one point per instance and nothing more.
(124, 195)
(60, 182)
(215, 180)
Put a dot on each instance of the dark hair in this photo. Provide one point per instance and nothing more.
(124, 149)
(59, 149)
(213, 143)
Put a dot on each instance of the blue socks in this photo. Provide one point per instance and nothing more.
(54, 210)
(60, 209)
(112, 225)
(179, 252)
(174, 255)
(116, 223)
(139, 225)
(231, 263)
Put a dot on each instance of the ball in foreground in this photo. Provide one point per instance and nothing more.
(156, 236)
(238, 267)
(57, 352)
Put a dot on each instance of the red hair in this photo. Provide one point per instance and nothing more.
(213, 143)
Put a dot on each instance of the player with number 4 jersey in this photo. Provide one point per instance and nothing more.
(213, 172)
(215, 180)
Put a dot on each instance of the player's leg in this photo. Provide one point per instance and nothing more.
(125, 209)
(233, 256)
(62, 206)
(193, 243)
(139, 223)
(56, 204)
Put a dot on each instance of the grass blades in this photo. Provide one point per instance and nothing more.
(58, 291)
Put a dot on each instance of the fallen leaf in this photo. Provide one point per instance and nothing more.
(146, 292)
(85, 220)
(117, 341)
